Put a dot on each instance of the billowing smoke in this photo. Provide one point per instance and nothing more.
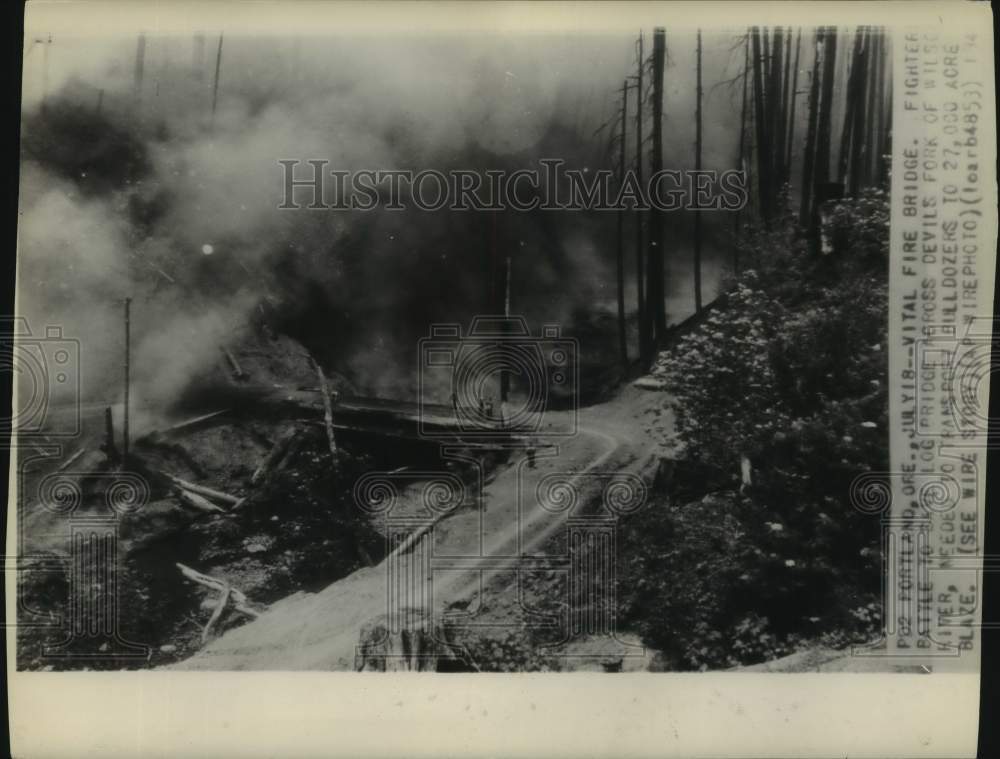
(132, 187)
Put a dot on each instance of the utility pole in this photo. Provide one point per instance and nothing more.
(697, 168)
(128, 382)
(622, 335)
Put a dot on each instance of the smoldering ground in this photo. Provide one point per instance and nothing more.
(133, 184)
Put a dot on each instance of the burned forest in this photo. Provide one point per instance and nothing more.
(512, 353)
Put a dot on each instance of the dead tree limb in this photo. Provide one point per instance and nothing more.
(239, 599)
(238, 372)
(195, 501)
(218, 495)
(277, 452)
(324, 390)
(69, 462)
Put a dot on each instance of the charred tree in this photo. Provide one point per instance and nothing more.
(763, 146)
(697, 168)
(622, 335)
(215, 83)
(858, 127)
(824, 125)
(793, 96)
(741, 159)
(642, 317)
(852, 103)
(809, 150)
(655, 283)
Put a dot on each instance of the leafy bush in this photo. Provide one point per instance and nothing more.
(789, 372)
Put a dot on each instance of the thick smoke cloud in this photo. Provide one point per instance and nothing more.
(145, 193)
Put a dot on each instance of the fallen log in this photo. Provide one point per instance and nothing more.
(276, 454)
(324, 390)
(196, 501)
(69, 462)
(238, 372)
(240, 601)
(188, 423)
(218, 495)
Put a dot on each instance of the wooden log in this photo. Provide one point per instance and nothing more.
(189, 422)
(324, 390)
(196, 501)
(69, 462)
(239, 599)
(220, 607)
(218, 495)
(238, 372)
(277, 452)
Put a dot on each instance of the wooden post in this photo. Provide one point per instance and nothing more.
(128, 382)
(622, 336)
(697, 168)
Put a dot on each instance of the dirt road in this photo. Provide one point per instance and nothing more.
(520, 516)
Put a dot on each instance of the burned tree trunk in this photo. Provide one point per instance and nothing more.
(763, 146)
(697, 168)
(848, 137)
(809, 150)
(824, 124)
(793, 96)
(741, 156)
(644, 348)
(622, 336)
(654, 299)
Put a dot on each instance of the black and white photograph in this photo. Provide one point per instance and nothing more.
(384, 348)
